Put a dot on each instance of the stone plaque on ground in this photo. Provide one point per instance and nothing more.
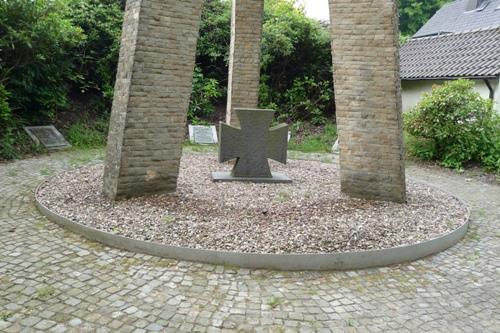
(48, 136)
(204, 135)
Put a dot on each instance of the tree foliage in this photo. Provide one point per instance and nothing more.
(36, 41)
(212, 54)
(413, 14)
(96, 59)
(296, 64)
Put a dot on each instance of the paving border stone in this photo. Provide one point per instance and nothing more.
(283, 262)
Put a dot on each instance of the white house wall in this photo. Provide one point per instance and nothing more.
(413, 91)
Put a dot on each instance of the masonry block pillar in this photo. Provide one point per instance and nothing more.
(244, 60)
(152, 93)
(365, 48)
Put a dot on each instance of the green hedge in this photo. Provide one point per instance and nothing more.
(454, 125)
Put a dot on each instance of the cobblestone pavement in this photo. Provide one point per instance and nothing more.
(52, 280)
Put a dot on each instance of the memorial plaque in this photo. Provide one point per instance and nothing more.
(204, 135)
(48, 136)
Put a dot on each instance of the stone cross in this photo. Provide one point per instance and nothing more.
(251, 146)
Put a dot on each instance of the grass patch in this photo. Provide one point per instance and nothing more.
(86, 156)
(308, 139)
(274, 302)
(128, 263)
(230, 268)
(168, 219)
(46, 172)
(45, 293)
(88, 134)
(196, 148)
(164, 263)
(282, 197)
(5, 315)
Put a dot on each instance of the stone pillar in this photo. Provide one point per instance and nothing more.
(365, 48)
(244, 60)
(152, 93)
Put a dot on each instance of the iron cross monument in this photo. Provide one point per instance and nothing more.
(251, 146)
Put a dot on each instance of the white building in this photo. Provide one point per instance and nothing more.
(462, 40)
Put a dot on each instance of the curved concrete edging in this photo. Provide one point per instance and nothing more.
(285, 262)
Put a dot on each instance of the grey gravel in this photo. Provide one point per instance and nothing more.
(310, 215)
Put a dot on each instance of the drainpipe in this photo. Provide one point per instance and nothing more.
(492, 91)
(496, 97)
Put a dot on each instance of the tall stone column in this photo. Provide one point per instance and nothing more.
(152, 93)
(365, 48)
(244, 60)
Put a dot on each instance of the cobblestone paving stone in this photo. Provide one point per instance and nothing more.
(54, 281)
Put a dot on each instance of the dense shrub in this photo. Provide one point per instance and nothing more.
(5, 111)
(204, 95)
(296, 64)
(308, 100)
(36, 42)
(453, 124)
(36, 68)
(6, 125)
(96, 58)
(212, 55)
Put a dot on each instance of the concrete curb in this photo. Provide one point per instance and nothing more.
(285, 262)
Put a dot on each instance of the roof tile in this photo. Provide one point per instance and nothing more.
(454, 17)
(468, 54)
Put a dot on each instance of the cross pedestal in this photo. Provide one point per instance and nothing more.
(251, 146)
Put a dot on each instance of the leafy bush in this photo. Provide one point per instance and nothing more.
(307, 99)
(36, 41)
(422, 148)
(212, 54)
(205, 92)
(6, 125)
(296, 64)
(5, 111)
(454, 125)
(13, 140)
(54, 53)
(96, 58)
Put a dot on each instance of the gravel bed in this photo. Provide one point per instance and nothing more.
(310, 215)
